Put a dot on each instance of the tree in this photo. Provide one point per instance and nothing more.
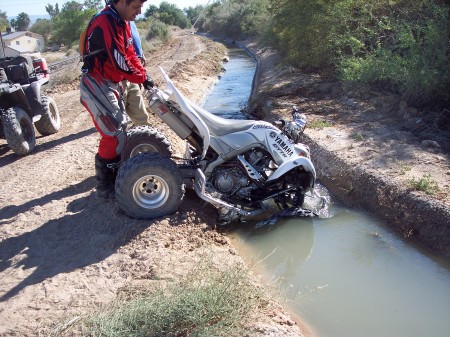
(151, 11)
(171, 15)
(236, 18)
(70, 22)
(42, 27)
(52, 11)
(72, 6)
(4, 23)
(21, 22)
(193, 13)
(13, 23)
(94, 4)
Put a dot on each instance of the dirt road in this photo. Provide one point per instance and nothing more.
(64, 252)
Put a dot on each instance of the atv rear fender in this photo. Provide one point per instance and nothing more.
(12, 95)
(33, 95)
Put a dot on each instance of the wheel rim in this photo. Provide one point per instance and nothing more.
(143, 148)
(151, 191)
(25, 128)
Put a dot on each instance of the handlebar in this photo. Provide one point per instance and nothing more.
(295, 128)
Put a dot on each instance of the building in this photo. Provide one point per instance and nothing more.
(18, 43)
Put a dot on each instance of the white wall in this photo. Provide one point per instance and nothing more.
(9, 52)
(26, 43)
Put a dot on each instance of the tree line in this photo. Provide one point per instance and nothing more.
(400, 46)
(64, 26)
(67, 23)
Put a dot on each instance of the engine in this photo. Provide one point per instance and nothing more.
(230, 180)
(236, 178)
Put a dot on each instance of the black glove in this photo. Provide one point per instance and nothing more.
(148, 83)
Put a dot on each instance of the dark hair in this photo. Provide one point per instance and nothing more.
(113, 2)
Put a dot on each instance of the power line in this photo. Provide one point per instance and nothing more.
(201, 14)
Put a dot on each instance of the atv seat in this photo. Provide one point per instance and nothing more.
(18, 69)
(17, 73)
(222, 126)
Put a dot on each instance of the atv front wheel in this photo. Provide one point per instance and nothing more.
(50, 121)
(145, 139)
(149, 186)
(19, 131)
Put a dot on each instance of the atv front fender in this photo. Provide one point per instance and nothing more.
(291, 164)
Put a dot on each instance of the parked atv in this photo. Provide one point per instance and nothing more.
(22, 104)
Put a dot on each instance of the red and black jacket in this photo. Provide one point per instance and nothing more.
(108, 49)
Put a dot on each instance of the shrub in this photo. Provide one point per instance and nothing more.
(159, 30)
(207, 303)
(236, 18)
(425, 184)
(143, 24)
(303, 29)
(400, 46)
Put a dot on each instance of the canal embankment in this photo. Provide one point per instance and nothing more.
(364, 148)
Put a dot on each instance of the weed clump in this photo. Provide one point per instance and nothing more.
(206, 303)
(425, 184)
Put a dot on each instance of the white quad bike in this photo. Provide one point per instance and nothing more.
(237, 165)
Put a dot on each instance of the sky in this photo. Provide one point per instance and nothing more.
(37, 7)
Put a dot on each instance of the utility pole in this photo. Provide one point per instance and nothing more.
(204, 9)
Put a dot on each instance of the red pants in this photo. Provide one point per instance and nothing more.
(102, 98)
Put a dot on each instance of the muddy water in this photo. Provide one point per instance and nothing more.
(348, 276)
(345, 274)
(230, 96)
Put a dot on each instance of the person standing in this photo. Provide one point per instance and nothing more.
(133, 98)
(109, 58)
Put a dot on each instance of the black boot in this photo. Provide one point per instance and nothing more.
(106, 172)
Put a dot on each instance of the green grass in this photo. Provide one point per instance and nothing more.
(319, 124)
(403, 167)
(425, 184)
(206, 303)
(358, 137)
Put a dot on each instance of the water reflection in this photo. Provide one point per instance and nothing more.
(277, 242)
(349, 276)
(229, 98)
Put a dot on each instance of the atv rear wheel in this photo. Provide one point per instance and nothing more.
(19, 131)
(149, 186)
(50, 121)
(145, 139)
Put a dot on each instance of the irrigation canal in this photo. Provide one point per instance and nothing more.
(344, 274)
